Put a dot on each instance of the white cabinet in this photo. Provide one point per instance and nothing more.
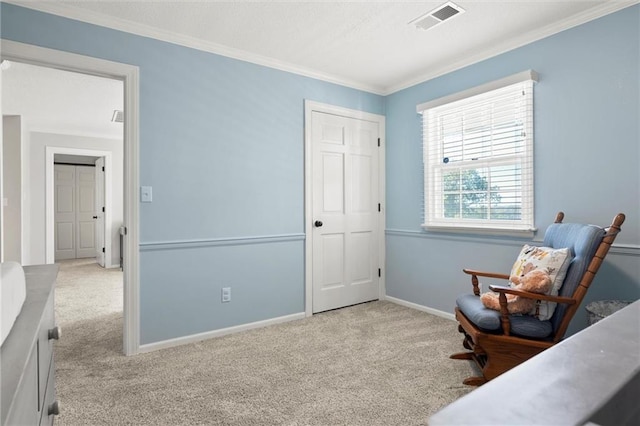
(26, 358)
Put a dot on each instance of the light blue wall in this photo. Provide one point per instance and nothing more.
(587, 154)
(221, 143)
(183, 298)
(222, 146)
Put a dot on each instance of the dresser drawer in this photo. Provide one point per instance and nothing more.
(50, 405)
(27, 370)
(45, 347)
(24, 410)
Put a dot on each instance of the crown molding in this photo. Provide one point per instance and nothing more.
(514, 43)
(70, 12)
(90, 17)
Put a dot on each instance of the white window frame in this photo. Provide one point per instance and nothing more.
(434, 218)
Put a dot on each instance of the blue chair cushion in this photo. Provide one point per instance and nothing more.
(472, 308)
(530, 326)
(489, 319)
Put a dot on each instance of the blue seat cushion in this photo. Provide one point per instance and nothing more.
(472, 308)
(489, 319)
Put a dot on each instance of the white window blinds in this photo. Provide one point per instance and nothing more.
(478, 158)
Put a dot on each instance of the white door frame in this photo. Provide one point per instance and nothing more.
(50, 152)
(309, 107)
(129, 74)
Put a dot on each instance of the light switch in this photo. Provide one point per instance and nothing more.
(146, 194)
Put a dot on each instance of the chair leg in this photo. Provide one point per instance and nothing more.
(476, 354)
(468, 343)
(474, 381)
(462, 355)
(479, 360)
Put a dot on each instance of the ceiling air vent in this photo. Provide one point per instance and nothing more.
(118, 116)
(437, 16)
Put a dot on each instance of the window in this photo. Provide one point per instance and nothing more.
(478, 158)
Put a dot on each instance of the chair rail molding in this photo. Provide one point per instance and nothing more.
(619, 249)
(219, 242)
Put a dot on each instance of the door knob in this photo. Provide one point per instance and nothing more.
(318, 223)
(54, 409)
(55, 333)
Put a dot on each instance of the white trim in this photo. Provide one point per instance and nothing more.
(511, 43)
(51, 58)
(219, 242)
(616, 249)
(487, 230)
(479, 90)
(625, 249)
(422, 308)
(170, 343)
(49, 209)
(2, 180)
(463, 237)
(25, 183)
(136, 28)
(382, 217)
(309, 107)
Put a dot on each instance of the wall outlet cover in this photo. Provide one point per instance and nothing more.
(146, 194)
(226, 294)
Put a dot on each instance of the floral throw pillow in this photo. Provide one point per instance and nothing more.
(554, 262)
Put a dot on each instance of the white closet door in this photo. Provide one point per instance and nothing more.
(65, 211)
(74, 204)
(85, 212)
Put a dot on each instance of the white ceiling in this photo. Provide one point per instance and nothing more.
(363, 44)
(56, 101)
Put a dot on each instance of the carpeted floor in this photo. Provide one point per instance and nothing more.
(372, 364)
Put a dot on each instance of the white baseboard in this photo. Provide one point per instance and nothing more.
(150, 347)
(422, 308)
(217, 333)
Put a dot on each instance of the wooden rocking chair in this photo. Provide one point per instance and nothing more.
(498, 341)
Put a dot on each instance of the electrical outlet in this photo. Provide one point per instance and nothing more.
(226, 294)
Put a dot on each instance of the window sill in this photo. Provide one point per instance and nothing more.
(484, 230)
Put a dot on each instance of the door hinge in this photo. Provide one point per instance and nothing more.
(379, 272)
(103, 249)
(379, 207)
(378, 141)
(102, 209)
(103, 168)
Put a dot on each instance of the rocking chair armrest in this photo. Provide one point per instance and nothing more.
(529, 295)
(504, 310)
(486, 274)
(474, 278)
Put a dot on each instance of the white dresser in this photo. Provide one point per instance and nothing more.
(27, 369)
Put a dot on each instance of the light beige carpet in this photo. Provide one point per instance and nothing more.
(372, 364)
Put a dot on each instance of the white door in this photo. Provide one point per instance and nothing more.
(345, 210)
(85, 222)
(74, 201)
(99, 209)
(64, 211)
